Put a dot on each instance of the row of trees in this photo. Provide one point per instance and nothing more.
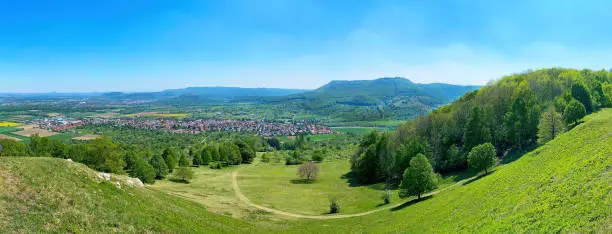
(108, 156)
(223, 154)
(513, 114)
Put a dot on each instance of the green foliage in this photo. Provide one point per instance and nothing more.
(161, 169)
(196, 156)
(574, 111)
(477, 130)
(184, 174)
(142, 170)
(334, 206)
(551, 125)
(183, 161)
(170, 158)
(103, 155)
(246, 151)
(206, 155)
(13, 148)
(482, 157)
(318, 156)
(580, 93)
(418, 178)
(295, 158)
(230, 153)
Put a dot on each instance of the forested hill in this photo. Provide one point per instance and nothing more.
(391, 87)
(368, 100)
(514, 114)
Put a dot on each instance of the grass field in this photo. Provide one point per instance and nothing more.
(359, 130)
(278, 186)
(158, 114)
(210, 187)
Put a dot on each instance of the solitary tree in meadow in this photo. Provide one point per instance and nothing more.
(184, 174)
(482, 157)
(308, 171)
(418, 178)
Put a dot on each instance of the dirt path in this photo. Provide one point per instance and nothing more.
(334, 216)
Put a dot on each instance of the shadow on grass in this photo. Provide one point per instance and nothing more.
(515, 155)
(177, 180)
(478, 178)
(411, 202)
(351, 179)
(302, 181)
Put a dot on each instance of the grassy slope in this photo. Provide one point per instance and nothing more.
(563, 186)
(53, 195)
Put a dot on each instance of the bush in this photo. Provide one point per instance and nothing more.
(215, 165)
(318, 156)
(265, 158)
(574, 111)
(184, 174)
(334, 206)
(308, 171)
(386, 196)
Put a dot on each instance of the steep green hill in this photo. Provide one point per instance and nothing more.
(564, 186)
(54, 195)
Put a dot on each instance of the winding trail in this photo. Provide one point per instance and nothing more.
(331, 216)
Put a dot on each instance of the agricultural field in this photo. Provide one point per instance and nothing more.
(9, 124)
(159, 114)
(30, 130)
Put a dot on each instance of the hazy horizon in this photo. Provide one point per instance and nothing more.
(135, 46)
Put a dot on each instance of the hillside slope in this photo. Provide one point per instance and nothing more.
(54, 195)
(563, 186)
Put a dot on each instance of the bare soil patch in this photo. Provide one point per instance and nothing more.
(30, 130)
(87, 137)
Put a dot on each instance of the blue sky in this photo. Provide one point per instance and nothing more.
(138, 45)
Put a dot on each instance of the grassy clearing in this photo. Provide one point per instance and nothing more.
(563, 186)
(210, 187)
(359, 130)
(278, 186)
(54, 195)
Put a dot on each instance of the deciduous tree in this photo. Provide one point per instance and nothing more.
(482, 157)
(308, 171)
(418, 178)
